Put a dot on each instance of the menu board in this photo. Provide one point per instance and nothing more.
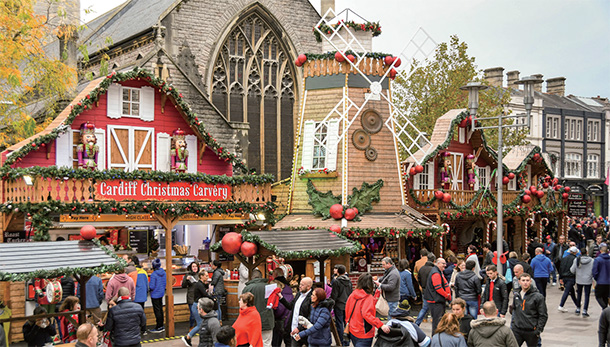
(577, 208)
(138, 240)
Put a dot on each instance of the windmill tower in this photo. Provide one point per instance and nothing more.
(350, 134)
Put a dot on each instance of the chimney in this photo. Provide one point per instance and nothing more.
(538, 86)
(512, 77)
(495, 76)
(326, 4)
(556, 86)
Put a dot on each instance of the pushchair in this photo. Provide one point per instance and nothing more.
(398, 336)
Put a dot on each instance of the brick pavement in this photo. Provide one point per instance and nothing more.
(562, 329)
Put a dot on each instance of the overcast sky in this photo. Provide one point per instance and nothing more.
(554, 38)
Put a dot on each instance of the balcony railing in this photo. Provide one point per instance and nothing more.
(83, 190)
(464, 197)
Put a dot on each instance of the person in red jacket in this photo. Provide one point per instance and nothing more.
(437, 292)
(360, 313)
(248, 326)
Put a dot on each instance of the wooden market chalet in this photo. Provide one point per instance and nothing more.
(455, 186)
(127, 151)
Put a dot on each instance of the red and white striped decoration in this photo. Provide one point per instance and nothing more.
(446, 229)
(491, 227)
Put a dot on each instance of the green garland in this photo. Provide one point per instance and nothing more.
(9, 173)
(387, 232)
(68, 271)
(331, 55)
(509, 211)
(41, 213)
(373, 27)
(454, 124)
(88, 103)
(247, 236)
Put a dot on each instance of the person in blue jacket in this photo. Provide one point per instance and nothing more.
(157, 291)
(542, 267)
(318, 333)
(95, 296)
(141, 282)
(407, 291)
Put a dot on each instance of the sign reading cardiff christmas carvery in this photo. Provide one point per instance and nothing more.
(147, 190)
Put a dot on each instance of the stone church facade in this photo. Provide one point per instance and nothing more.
(233, 61)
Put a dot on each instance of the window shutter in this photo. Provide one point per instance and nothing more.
(308, 135)
(332, 141)
(63, 150)
(163, 147)
(488, 175)
(113, 104)
(431, 175)
(462, 135)
(191, 146)
(100, 135)
(416, 180)
(147, 104)
(512, 184)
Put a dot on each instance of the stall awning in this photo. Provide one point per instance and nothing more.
(293, 244)
(28, 260)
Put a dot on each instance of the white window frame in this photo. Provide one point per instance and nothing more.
(425, 179)
(589, 130)
(566, 129)
(320, 141)
(146, 102)
(579, 129)
(592, 166)
(130, 102)
(556, 129)
(482, 177)
(328, 144)
(572, 164)
(593, 130)
(549, 125)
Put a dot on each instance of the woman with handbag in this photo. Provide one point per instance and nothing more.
(69, 324)
(318, 329)
(360, 319)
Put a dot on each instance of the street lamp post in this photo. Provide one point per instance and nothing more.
(473, 89)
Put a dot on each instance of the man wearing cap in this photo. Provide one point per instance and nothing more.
(401, 317)
(568, 279)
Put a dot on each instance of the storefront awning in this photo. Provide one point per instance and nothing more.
(28, 260)
(292, 244)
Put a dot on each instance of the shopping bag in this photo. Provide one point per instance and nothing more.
(382, 306)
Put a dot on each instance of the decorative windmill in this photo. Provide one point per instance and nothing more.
(406, 137)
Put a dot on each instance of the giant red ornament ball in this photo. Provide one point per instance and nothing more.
(567, 189)
(565, 195)
(446, 197)
(439, 194)
(527, 192)
(350, 214)
(339, 57)
(231, 243)
(335, 228)
(511, 175)
(545, 185)
(388, 60)
(88, 232)
(397, 62)
(336, 211)
(505, 180)
(419, 168)
(248, 249)
(393, 73)
(540, 194)
(526, 198)
(302, 58)
(412, 171)
(533, 189)
(351, 58)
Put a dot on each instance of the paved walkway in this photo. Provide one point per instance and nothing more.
(562, 329)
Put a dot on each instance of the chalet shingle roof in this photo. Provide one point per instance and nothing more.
(297, 243)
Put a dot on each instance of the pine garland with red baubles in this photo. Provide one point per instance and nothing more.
(373, 27)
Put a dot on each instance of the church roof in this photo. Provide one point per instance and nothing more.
(125, 21)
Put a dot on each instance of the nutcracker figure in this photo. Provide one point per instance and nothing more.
(87, 150)
(445, 170)
(470, 166)
(179, 152)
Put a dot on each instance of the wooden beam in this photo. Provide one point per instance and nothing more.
(201, 151)
(7, 220)
(168, 223)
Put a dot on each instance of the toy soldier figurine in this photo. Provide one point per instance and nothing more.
(179, 152)
(88, 149)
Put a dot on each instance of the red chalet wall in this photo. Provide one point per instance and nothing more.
(165, 122)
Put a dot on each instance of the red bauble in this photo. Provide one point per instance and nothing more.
(412, 171)
(248, 249)
(505, 180)
(231, 243)
(339, 57)
(302, 58)
(88, 232)
(419, 168)
(446, 197)
(439, 194)
(540, 194)
(297, 62)
(527, 192)
(555, 181)
(511, 175)
(565, 195)
(533, 189)
(397, 62)
(393, 73)
(545, 185)
(428, 233)
(336, 211)
(567, 189)
(463, 123)
(355, 209)
(526, 198)
(335, 228)
(350, 214)
(469, 120)
(351, 58)
(557, 187)
(388, 60)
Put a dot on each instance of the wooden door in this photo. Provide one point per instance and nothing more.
(130, 148)
(457, 171)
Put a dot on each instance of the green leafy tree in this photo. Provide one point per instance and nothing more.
(31, 76)
(434, 88)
